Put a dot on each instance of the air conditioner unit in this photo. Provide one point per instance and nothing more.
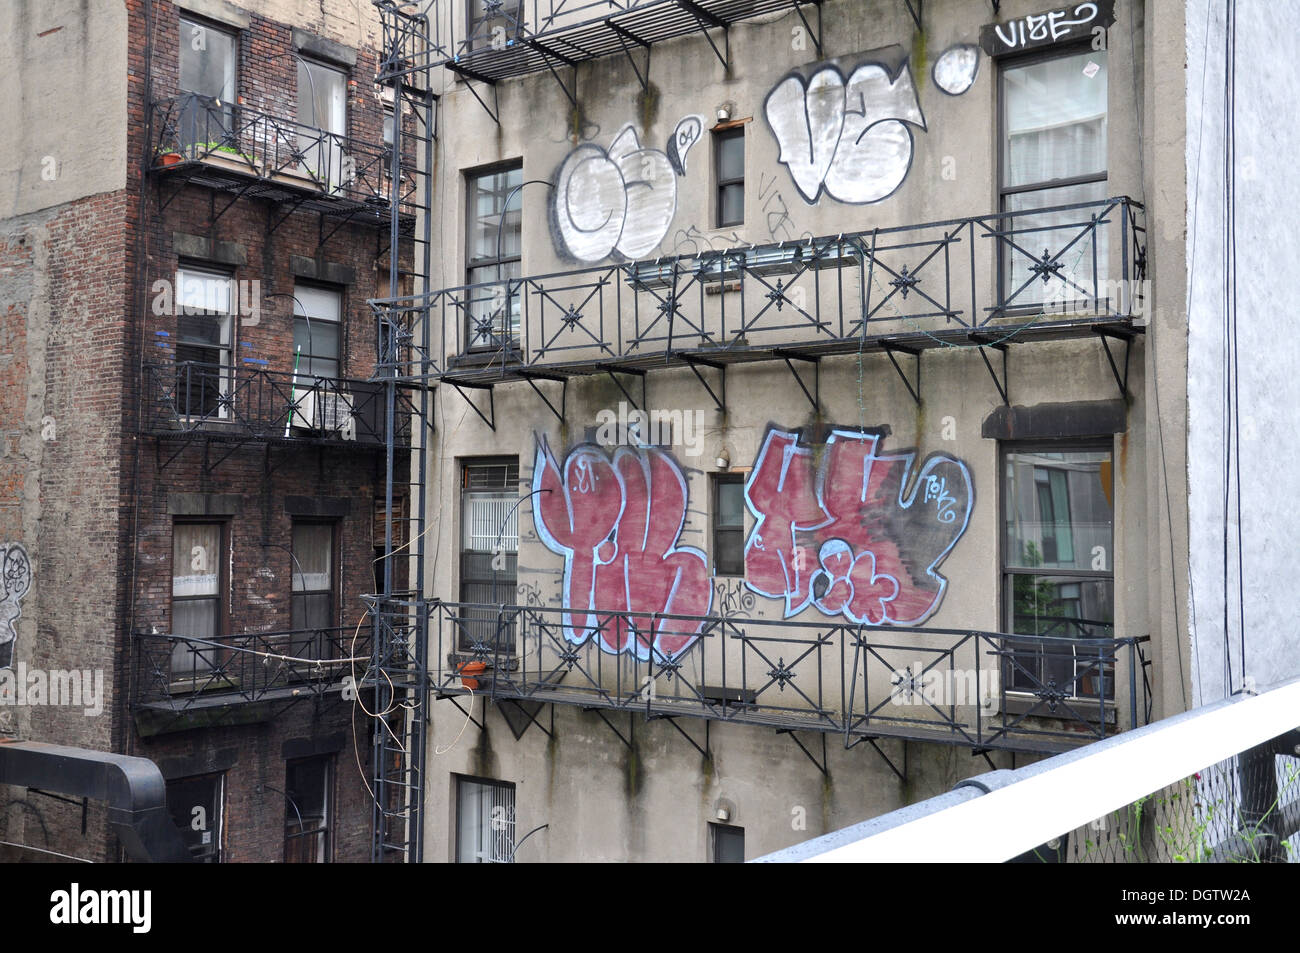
(327, 411)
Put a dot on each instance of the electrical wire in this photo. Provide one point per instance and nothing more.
(42, 850)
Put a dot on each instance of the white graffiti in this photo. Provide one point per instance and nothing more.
(687, 133)
(955, 69)
(621, 199)
(15, 581)
(849, 138)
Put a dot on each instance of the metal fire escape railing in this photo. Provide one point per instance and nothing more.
(398, 662)
(179, 677)
(252, 153)
(986, 281)
(214, 401)
(983, 690)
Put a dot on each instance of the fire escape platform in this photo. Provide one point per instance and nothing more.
(487, 370)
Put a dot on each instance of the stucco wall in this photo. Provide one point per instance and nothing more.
(652, 801)
(1267, 387)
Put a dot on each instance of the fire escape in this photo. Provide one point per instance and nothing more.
(287, 169)
(890, 295)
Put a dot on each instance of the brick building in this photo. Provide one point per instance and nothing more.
(200, 211)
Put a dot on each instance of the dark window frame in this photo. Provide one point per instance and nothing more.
(1006, 608)
(316, 642)
(721, 183)
(1004, 191)
(717, 482)
(221, 372)
(503, 583)
(462, 779)
(326, 828)
(496, 261)
(212, 658)
(340, 359)
(215, 852)
(715, 832)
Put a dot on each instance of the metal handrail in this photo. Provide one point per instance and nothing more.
(196, 397)
(859, 681)
(954, 275)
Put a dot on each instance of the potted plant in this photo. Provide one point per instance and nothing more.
(468, 672)
(226, 156)
(169, 157)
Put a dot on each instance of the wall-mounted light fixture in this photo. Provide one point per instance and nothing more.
(724, 112)
(724, 459)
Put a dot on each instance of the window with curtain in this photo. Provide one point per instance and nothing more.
(1053, 153)
(207, 69)
(489, 549)
(493, 256)
(205, 327)
(197, 560)
(1058, 573)
(485, 822)
(308, 805)
(322, 108)
(313, 600)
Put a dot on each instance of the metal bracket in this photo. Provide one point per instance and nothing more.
(817, 39)
(547, 53)
(493, 111)
(820, 765)
(532, 719)
(890, 348)
(612, 369)
(624, 37)
(530, 376)
(682, 731)
(902, 775)
(815, 397)
(468, 714)
(691, 362)
(609, 724)
(347, 218)
(1002, 384)
(213, 215)
(703, 16)
(1105, 333)
(491, 421)
(270, 230)
(915, 11)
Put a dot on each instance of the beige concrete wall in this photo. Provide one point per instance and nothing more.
(65, 102)
(653, 801)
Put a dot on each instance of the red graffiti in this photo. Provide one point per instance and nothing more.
(617, 523)
(844, 536)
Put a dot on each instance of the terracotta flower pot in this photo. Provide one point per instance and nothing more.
(170, 158)
(467, 672)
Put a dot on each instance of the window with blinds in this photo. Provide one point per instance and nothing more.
(485, 822)
(489, 547)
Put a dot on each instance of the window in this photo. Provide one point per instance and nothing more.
(728, 524)
(195, 806)
(492, 23)
(1053, 153)
(316, 313)
(308, 802)
(205, 328)
(1057, 564)
(727, 844)
(485, 822)
(207, 70)
(729, 153)
(312, 601)
(489, 549)
(197, 563)
(495, 243)
(322, 107)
